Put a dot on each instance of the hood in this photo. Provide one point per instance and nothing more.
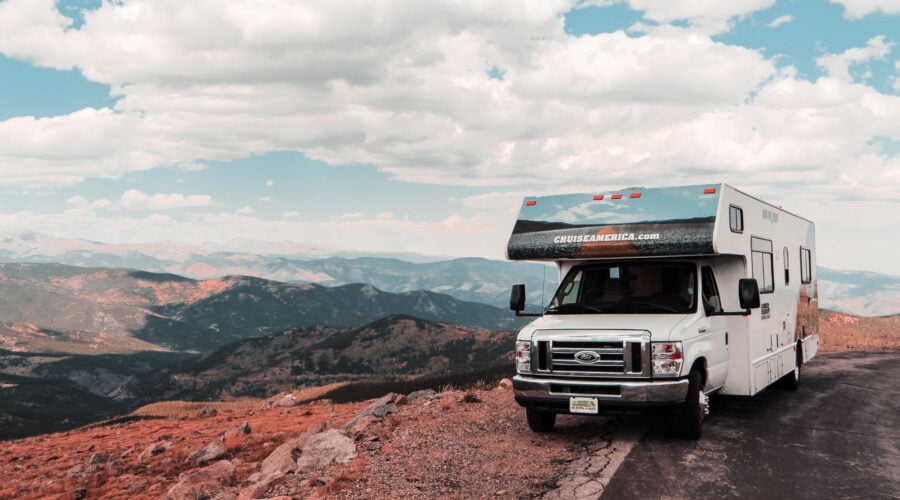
(660, 326)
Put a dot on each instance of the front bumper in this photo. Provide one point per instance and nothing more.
(553, 393)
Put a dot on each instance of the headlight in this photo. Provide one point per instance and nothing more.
(523, 356)
(667, 359)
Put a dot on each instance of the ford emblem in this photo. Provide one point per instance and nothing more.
(586, 357)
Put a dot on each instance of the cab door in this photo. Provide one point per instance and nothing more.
(716, 329)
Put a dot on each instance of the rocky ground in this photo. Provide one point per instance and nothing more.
(449, 444)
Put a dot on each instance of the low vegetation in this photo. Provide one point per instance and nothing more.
(189, 409)
(845, 332)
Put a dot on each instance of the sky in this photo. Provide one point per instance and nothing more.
(397, 126)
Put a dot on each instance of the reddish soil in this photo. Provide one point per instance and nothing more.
(845, 332)
(58, 465)
(471, 444)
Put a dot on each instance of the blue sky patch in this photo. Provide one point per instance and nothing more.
(27, 90)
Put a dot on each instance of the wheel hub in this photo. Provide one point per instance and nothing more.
(704, 404)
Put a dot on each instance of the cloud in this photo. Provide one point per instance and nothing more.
(838, 65)
(82, 203)
(778, 21)
(270, 183)
(897, 79)
(135, 199)
(857, 9)
(191, 166)
(411, 96)
(476, 235)
(709, 16)
(78, 201)
(290, 214)
(245, 211)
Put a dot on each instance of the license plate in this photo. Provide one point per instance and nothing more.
(583, 405)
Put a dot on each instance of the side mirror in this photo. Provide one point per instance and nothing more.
(517, 298)
(748, 291)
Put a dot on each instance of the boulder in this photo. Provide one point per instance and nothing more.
(153, 450)
(209, 482)
(380, 408)
(283, 459)
(323, 449)
(417, 395)
(362, 424)
(210, 452)
(286, 401)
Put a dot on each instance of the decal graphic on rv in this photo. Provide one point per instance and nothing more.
(658, 222)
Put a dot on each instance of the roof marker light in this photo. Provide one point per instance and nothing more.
(531, 203)
(617, 196)
(598, 197)
(709, 191)
(635, 195)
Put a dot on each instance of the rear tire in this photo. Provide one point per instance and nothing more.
(689, 423)
(540, 421)
(791, 381)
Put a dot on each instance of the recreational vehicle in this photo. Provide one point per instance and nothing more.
(666, 296)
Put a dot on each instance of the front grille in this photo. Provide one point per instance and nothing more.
(592, 356)
(592, 390)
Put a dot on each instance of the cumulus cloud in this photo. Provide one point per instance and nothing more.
(135, 199)
(857, 9)
(245, 211)
(710, 16)
(778, 21)
(290, 214)
(410, 95)
(838, 65)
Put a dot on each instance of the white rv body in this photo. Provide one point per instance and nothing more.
(578, 359)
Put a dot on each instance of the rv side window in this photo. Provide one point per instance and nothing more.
(763, 270)
(736, 218)
(787, 267)
(805, 266)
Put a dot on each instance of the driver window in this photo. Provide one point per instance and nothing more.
(711, 301)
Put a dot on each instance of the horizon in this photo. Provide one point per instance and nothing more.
(148, 122)
(287, 248)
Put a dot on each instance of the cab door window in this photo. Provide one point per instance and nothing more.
(711, 301)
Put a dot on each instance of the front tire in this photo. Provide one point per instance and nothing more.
(689, 423)
(540, 421)
(791, 381)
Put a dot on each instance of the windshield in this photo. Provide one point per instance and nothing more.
(627, 288)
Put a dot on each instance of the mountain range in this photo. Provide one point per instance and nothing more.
(54, 391)
(59, 308)
(469, 279)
